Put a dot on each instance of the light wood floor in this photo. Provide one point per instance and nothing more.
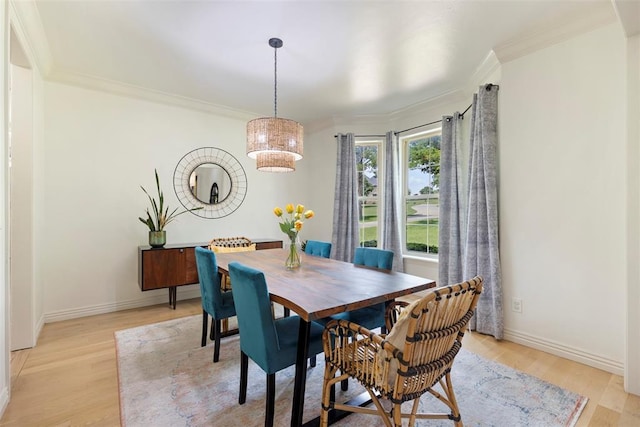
(70, 377)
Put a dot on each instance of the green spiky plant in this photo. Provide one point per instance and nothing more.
(161, 216)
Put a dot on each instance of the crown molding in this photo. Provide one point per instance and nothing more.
(628, 12)
(132, 91)
(556, 31)
(487, 72)
(26, 21)
(427, 105)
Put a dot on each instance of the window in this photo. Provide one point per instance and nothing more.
(369, 167)
(421, 195)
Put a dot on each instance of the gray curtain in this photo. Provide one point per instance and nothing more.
(452, 212)
(391, 228)
(344, 238)
(481, 251)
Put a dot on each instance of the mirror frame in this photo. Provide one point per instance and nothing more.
(188, 164)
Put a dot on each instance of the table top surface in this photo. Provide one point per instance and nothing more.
(321, 287)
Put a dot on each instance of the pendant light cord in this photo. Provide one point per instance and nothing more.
(275, 82)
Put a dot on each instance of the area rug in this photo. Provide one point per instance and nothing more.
(167, 379)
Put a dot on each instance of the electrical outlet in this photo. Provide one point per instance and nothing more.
(516, 305)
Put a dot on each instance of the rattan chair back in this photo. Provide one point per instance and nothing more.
(230, 242)
(415, 356)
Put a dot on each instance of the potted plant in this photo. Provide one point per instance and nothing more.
(160, 218)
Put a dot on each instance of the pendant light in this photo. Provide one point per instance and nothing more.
(275, 143)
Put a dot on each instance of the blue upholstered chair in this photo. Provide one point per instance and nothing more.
(215, 303)
(374, 257)
(370, 317)
(316, 248)
(270, 343)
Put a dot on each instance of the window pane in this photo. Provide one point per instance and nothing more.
(368, 197)
(422, 199)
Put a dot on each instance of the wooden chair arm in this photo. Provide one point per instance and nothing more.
(354, 334)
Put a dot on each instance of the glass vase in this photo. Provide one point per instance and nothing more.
(293, 254)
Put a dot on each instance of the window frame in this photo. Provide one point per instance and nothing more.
(378, 142)
(404, 144)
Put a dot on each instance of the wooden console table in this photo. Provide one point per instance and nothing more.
(175, 265)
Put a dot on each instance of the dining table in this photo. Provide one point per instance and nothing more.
(319, 288)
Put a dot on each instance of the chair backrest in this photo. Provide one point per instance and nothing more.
(258, 336)
(373, 257)
(316, 248)
(429, 334)
(209, 281)
(230, 242)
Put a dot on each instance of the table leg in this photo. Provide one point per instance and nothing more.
(297, 408)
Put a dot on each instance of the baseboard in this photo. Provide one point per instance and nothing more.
(117, 306)
(578, 355)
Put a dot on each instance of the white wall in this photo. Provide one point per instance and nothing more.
(5, 370)
(562, 197)
(632, 371)
(99, 149)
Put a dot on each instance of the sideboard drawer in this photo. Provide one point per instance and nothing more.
(273, 244)
(162, 268)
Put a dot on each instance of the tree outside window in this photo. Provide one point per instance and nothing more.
(422, 171)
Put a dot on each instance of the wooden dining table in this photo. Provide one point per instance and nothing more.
(319, 288)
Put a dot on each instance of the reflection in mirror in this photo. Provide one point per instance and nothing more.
(210, 183)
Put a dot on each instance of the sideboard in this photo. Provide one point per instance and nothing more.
(175, 265)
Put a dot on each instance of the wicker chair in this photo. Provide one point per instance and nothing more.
(415, 356)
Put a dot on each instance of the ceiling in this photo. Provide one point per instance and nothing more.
(340, 58)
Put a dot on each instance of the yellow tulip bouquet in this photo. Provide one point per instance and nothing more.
(291, 226)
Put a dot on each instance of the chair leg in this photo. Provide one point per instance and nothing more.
(414, 410)
(312, 361)
(328, 394)
(205, 326)
(455, 413)
(397, 415)
(244, 371)
(271, 400)
(216, 340)
(344, 384)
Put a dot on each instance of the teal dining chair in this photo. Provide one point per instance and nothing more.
(317, 248)
(373, 316)
(215, 302)
(270, 343)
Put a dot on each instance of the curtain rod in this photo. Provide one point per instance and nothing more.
(487, 87)
(365, 136)
(405, 130)
(431, 123)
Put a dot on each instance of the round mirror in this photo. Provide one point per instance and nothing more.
(212, 179)
(210, 183)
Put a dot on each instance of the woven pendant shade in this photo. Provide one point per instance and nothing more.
(274, 135)
(275, 143)
(275, 162)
